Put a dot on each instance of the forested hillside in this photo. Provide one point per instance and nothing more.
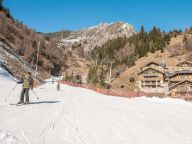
(125, 51)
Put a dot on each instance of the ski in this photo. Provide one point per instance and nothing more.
(15, 104)
(18, 104)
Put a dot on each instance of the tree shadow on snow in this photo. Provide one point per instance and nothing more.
(45, 102)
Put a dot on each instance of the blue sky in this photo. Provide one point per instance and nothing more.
(54, 15)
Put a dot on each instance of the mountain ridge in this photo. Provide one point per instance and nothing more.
(97, 35)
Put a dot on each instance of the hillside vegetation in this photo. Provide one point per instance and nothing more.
(126, 51)
(87, 52)
(23, 41)
(178, 50)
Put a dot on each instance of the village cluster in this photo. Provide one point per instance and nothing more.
(174, 81)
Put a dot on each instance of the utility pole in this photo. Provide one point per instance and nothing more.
(37, 59)
(111, 61)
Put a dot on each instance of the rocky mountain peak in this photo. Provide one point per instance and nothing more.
(94, 36)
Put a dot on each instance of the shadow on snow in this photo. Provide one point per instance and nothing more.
(45, 102)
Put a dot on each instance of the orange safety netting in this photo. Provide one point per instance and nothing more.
(111, 92)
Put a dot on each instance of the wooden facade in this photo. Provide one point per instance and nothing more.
(154, 66)
(180, 76)
(184, 65)
(182, 89)
(151, 78)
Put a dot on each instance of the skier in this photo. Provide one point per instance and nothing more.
(58, 86)
(27, 84)
(52, 80)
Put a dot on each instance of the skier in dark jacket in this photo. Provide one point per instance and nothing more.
(58, 86)
(27, 82)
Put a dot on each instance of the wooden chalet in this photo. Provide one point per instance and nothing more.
(181, 89)
(179, 76)
(153, 65)
(151, 78)
(184, 65)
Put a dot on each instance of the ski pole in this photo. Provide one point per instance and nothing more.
(35, 94)
(10, 92)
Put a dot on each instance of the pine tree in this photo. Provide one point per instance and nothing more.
(142, 33)
(185, 39)
(1, 4)
(101, 77)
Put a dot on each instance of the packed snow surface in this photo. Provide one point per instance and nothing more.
(81, 116)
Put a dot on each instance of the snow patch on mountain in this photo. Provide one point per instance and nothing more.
(91, 37)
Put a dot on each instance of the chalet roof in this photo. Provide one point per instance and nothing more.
(179, 83)
(153, 63)
(184, 62)
(168, 74)
(148, 69)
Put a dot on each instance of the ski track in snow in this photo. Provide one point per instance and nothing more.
(81, 116)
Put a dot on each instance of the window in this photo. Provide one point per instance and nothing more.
(182, 76)
(190, 88)
(182, 88)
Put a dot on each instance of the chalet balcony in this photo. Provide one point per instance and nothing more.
(154, 85)
(150, 75)
(151, 84)
(152, 80)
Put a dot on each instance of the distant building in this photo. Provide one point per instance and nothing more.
(181, 89)
(153, 65)
(184, 65)
(152, 78)
(155, 78)
(178, 76)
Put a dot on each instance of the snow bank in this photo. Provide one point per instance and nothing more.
(4, 74)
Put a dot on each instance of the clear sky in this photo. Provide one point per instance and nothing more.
(54, 15)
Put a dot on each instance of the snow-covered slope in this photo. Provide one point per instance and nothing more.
(80, 116)
(4, 74)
